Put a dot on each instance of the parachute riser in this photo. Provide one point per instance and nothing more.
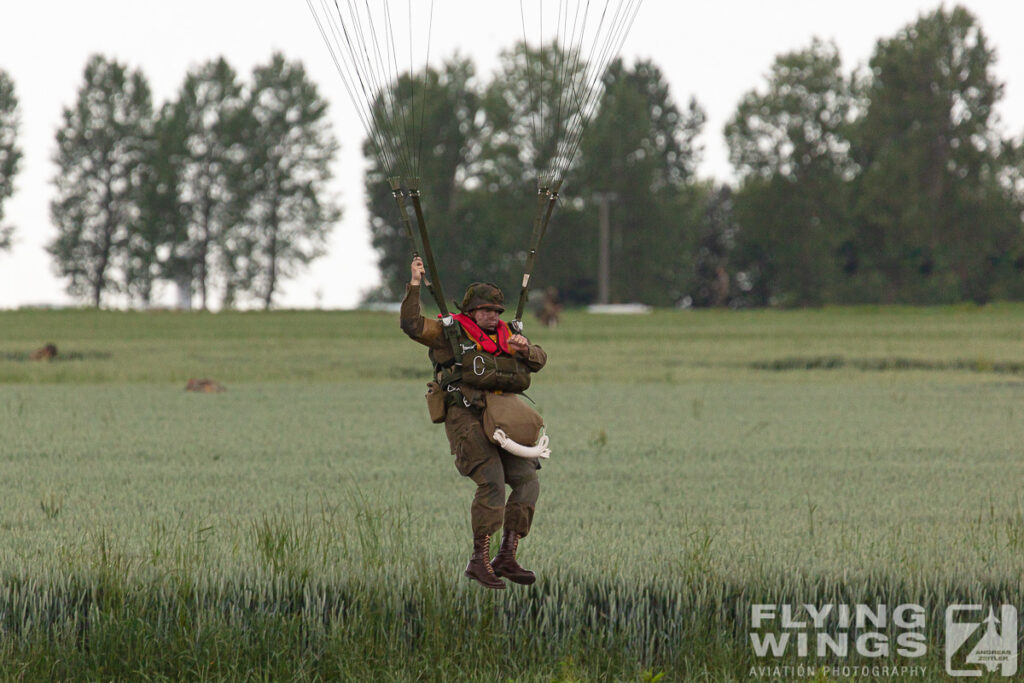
(399, 195)
(437, 290)
(419, 242)
(547, 197)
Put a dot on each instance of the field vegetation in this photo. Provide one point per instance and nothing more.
(308, 523)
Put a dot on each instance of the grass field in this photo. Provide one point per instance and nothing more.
(309, 523)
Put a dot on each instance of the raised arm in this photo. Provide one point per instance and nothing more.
(424, 330)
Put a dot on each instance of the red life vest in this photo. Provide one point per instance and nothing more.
(482, 339)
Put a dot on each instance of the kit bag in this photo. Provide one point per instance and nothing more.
(514, 417)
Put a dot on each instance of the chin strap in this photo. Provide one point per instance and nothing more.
(540, 450)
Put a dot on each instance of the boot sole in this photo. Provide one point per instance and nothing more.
(493, 588)
(526, 581)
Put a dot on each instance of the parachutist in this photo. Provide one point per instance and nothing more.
(481, 363)
(479, 366)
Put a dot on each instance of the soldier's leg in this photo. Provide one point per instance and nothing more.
(488, 507)
(521, 475)
(479, 459)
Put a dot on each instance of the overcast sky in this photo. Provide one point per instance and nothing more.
(712, 51)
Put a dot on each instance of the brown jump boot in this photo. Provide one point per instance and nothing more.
(505, 564)
(479, 567)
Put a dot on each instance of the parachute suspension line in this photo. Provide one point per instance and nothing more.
(622, 22)
(359, 62)
(389, 75)
(540, 95)
(579, 75)
(426, 77)
(392, 77)
(574, 92)
(362, 62)
(529, 65)
(564, 60)
(571, 56)
(569, 87)
(366, 55)
(361, 36)
(575, 71)
(334, 39)
(410, 136)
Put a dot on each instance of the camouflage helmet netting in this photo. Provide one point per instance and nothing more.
(482, 295)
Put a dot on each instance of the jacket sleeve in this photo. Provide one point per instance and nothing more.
(424, 330)
(535, 358)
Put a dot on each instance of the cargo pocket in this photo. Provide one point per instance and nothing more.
(472, 449)
(436, 403)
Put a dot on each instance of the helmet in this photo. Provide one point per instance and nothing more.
(483, 295)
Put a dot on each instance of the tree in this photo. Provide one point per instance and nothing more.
(148, 235)
(790, 147)
(526, 111)
(152, 245)
(209, 125)
(102, 148)
(642, 148)
(486, 147)
(10, 154)
(287, 164)
(482, 157)
(447, 106)
(933, 215)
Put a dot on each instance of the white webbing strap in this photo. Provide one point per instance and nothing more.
(541, 450)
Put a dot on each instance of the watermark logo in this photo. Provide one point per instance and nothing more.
(975, 642)
(872, 631)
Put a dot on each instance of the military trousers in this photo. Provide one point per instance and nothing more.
(491, 469)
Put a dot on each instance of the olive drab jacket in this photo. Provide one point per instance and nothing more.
(430, 333)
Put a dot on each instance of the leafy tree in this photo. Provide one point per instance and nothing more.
(153, 245)
(790, 146)
(642, 148)
(102, 149)
(287, 165)
(489, 145)
(933, 215)
(446, 105)
(208, 124)
(529, 107)
(10, 154)
(146, 239)
(524, 113)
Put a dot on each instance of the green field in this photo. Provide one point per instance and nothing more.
(309, 523)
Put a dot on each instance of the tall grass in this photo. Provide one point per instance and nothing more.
(308, 524)
(301, 612)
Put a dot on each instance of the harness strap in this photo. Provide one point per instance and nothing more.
(450, 373)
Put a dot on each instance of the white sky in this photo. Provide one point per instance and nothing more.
(715, 51)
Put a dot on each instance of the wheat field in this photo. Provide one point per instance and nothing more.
(308, 523)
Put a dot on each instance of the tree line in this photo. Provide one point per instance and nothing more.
(10, 153)
(890, 183)
(220, 191)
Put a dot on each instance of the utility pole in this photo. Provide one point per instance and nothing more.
(604, 267)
